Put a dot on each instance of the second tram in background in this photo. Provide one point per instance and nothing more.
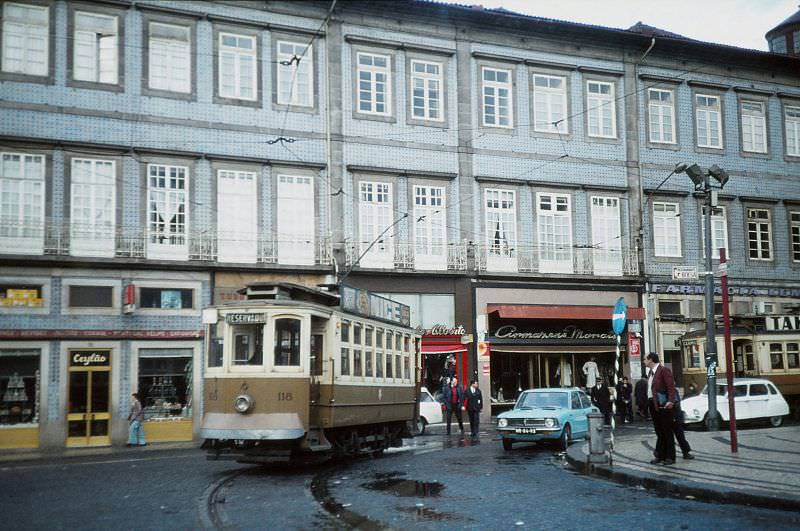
(294, 370)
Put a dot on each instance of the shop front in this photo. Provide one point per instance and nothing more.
(89, 397)
(444, 355)
(20, 393)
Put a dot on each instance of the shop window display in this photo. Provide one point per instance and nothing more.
(165, 387)
(20, 383)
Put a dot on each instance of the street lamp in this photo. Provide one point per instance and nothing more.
(701, 177)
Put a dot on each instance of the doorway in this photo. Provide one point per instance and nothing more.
(89, 405)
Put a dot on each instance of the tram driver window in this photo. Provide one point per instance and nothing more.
(287, 342)
(248, 344)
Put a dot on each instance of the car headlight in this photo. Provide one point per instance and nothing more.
(696, 412)
(502, 423)
(549, 422)
(243, 403)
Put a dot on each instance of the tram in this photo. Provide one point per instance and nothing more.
(293, 370)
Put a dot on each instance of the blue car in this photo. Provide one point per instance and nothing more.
(557, 415)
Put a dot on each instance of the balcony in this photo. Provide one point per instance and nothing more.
(404, 256)
(545, 259)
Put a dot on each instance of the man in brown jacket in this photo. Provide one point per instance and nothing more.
(662, 397)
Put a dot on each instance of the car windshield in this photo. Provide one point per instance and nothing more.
(542, 400)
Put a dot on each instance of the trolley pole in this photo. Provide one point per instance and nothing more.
(726, 317)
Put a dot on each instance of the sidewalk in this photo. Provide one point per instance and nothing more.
(765, 472)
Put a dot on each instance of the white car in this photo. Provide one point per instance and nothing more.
(754, 399)
(430, 411)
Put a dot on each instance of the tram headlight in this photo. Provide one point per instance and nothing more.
(243, 403)
(502, 423)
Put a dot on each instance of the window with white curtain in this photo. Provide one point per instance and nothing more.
(497, 97)
(238, 67)
(666, 229)
(501, 228)
(708, 114)
(25, 39)
(661, 107)
(21, 203)
(754, 126)
(167, 191)
(601, 113)
(95, 50)
(295, 73)
(170, 57)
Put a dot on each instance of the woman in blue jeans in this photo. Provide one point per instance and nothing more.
(136, 417)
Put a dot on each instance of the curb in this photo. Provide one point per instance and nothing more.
(682, 488)
(14, 456)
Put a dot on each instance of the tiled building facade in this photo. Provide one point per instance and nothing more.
(495, 172)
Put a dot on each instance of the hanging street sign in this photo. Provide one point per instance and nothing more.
(618, 316)
(684, 273)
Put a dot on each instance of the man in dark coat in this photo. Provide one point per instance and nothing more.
(601, 397)
(662, 396)
(453, 400)
(474, 405)
(624, 400)
(640, 392)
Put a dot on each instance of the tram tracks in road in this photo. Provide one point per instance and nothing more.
(210, 515)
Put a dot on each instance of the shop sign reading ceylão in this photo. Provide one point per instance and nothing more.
(89, 358)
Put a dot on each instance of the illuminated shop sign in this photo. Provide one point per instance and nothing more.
(89, 358)
(743, 291)
(443, 330)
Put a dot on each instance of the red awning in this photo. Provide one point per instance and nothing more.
(432, 344)
(550, 311)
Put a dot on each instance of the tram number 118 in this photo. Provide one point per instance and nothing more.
(284, 396)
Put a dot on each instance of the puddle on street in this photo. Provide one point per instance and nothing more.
(426, 513)
(406, 487)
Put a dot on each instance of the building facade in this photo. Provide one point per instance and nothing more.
(498, 173)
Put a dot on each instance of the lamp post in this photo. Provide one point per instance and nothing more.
(701, 177)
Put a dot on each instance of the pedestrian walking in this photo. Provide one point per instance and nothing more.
(474, 405)
(601, 396)
(135, 418)
(453, 398)
(662, 397)
(591, 372)
(678, 428)
(640, 393)
(624, 400)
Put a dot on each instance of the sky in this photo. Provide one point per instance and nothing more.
(741, 23)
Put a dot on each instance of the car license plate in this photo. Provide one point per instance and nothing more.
(525, 430)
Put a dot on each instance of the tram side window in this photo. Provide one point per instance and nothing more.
(793, 355)
(389, 367)
(345, 362)
(316, 354)
(357, 367)
(248, 345)
(379, 365)
(215, 346)
(776, 355)
(397, 366)
(287, 342)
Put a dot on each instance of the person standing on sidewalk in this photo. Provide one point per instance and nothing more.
(640, 392)
(624, 400)
(453, 398)
(474, 405)
(662, 396)
(135, 428)
(601, 397)
(678, 428)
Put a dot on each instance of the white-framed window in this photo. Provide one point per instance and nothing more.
(21, 203)
(501, 229)
(606, 236)
(374, 83)
(93, 207)
(794, 224)
(791, 119)
(296, 220)
(759, 234)
(167, 192)
(375, 217)
(550, 104)
(430, 240)
(554, 221)
(661, 109)
(25, 39)
(237, 216)
(666, 229)
(238, 66)
(778, 44)
(170, 57)
(601, 109)
(754, 126)
(426, 90)
(708, 116)
(295, 74)
(719, 231)
(95, 53)
(496, 97)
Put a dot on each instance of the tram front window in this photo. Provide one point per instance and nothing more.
(247, 344)
(287, 342)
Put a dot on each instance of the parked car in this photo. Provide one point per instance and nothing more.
(754, 398)
(558, 415)
(430, 410)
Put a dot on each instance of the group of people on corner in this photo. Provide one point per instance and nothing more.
(657, 398)
(455, 400)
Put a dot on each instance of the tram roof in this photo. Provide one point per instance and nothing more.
(287, 291)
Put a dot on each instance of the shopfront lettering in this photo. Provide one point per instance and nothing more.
(568, 333)
(783, 323)
(443, 330)
(741, 291)
(89, 358)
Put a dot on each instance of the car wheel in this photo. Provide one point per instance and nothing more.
(566, 436)
(776, 422)
(507, 443)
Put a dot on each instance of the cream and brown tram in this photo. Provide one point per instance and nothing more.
(293, 370)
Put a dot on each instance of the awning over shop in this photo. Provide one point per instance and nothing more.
(551, 311)
(442, 345)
